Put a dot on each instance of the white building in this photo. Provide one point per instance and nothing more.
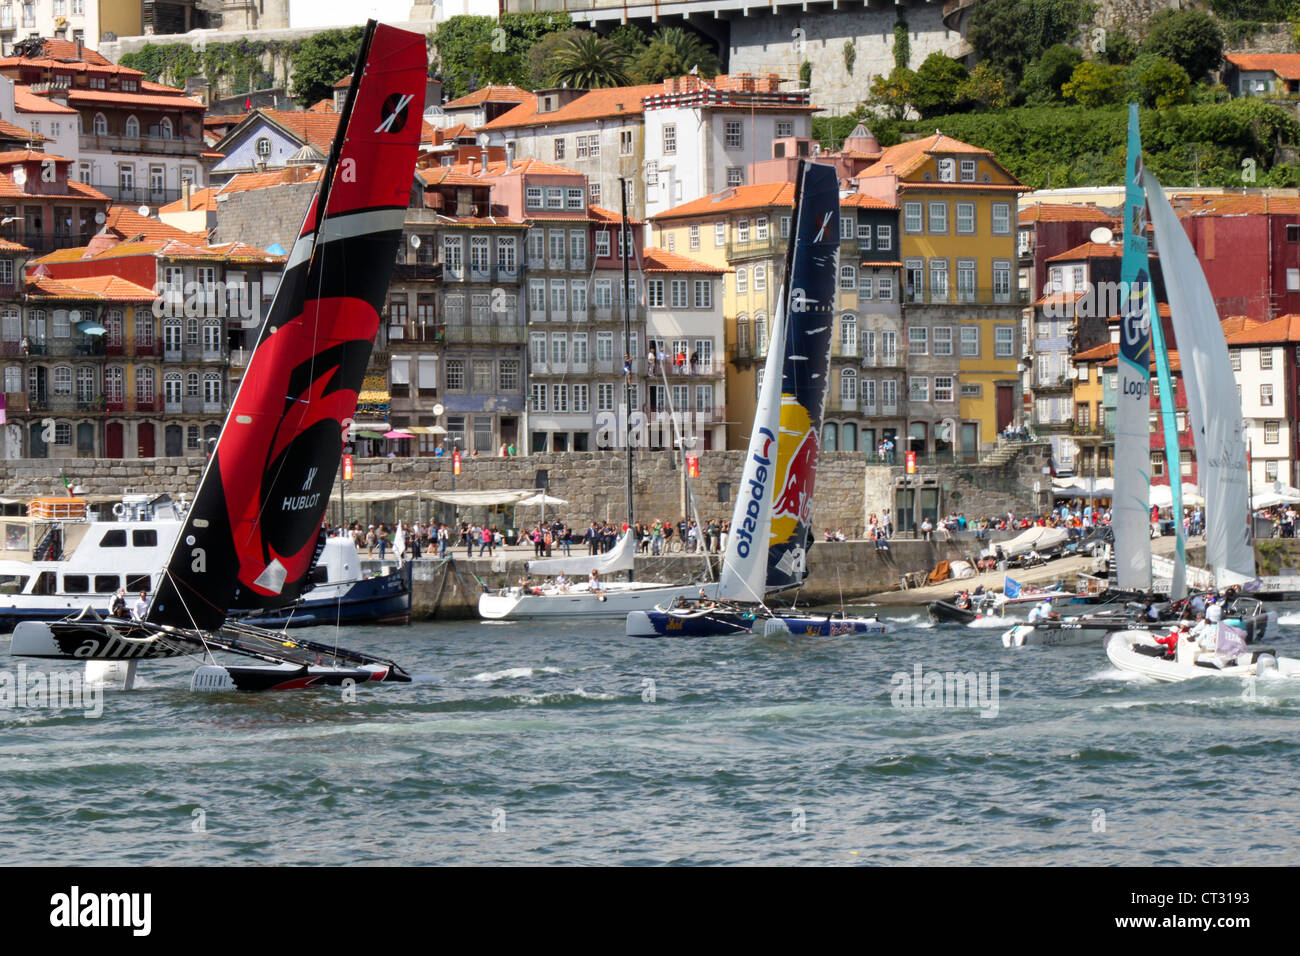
(1263, 361)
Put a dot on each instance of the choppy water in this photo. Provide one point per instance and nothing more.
(537, 743)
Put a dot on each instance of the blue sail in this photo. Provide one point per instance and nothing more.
(1130, 517)
(811, 278)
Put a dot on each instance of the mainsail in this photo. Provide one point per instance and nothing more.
(808, 296)
(1213, 407)
(249, 539)
(1130, 515)
(744, 564)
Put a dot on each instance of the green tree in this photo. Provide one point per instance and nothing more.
(850, 55)
(894, 93)
(475, 51)
(321, 60)
(1158, 81)
(937, 88)
(1095, 84)
(1120, 48)
(1011, 34)
(1191, 38)
(1046, 75)
(539, 62)
(587, 62)
(902, 44)
(458, 40)
(629, 40)
(674, 51)
(805, 74)
(987, 87)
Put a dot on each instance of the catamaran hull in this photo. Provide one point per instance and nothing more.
(1136, 652)
(1059, 634)
(942, 612)
(235, 677)
(90, 641)
(616, 601)
(822, 626)
(382, 600)
(658, 623)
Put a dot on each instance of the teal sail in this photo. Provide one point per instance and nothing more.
(1130, 517)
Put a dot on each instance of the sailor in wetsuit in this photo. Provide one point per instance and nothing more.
(962, 601)
(117, 606)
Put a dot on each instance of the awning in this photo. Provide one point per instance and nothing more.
(471, 499)
(396, 433)
(89, 327)
(370, 434)
(541, 498)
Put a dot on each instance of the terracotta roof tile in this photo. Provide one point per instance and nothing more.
(125, 223)
(1090, 250)
(315, 128)
(1107, 350)
(134, 99)
(759, 196)
(30, 155)
(865, 201)
(10, 131)
(910, 156)
(495, 94)
(322, 106)
(25, 101)
(595, 104)
(1285, 65)
(1063, 212)
(661, 260)
(109, 287)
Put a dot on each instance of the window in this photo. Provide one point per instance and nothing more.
(554, 197)
(885, 289)
(866, 286)
(889, 394)
(918, 340)
(603, 293)
(533, 197)
(593, 193)
(602, 244)
(734, 131)
(849, 333)
(760, 278)
(848, 386)
(62, 380)
(968, 170)
(703, 293)
(785, 227)
(1001, 281)
(537, 395)
(1270, 470)
(1001, 219)
(742, 231)
(943, 340)
(144, 385)
(560, 398)
(694, 236)
(100, 125)
(452, 257)
(719, 234)
(132, 128)
(456, 374)
(912, 217)
(1266, 395)
(192, 385)
(559, 148)
(884, 238)
(113, 384)
(1185, 463)
(581, 402)
(670, 140)
(509, 374)
(655, 293)
(588, 146)
(848, 278)
(784, 129)
(760, 229)
(847, 230)
(918, 389)
(965, 217)
(742, 282)
(864, 236)
(605, 397)
(938, 217)
(506, 259)
(1004, 341)
(943, 388)
(938, 280)
(625, 142)
(212, 389)
(1265, 355)
(1157, 462)
(735, 176)
(965, 280)
(1234, 356)
(1272, 431)
(869, 392)
(573, 198)
(126, 178)
(678, 288)
(165, 130)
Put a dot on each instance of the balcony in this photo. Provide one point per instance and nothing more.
(148, 405)
(846, 349)
(480, 275)
(147, 145)
(507, 275)
(958, 296)
(706, 369)
(47, 242)
(883, 360)
(1055, 384)
(418, 272)
(754, 248)
(142, 195)
(485, 334)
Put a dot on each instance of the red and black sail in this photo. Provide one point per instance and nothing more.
(250, 537)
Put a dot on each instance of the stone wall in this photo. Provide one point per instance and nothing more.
(263, 217)
(848, 486)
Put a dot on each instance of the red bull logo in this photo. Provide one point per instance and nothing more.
(795, 499)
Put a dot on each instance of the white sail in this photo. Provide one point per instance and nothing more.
(618, 558)
(1213, 408)
(744, 566)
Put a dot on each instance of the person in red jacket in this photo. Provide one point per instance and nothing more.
(1170, 641)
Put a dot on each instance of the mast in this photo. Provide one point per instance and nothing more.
(625, 252)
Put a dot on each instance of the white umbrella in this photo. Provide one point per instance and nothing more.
(541, 498)
(1163, 497)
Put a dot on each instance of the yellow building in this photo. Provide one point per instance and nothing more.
(746, 228)
(961, 308)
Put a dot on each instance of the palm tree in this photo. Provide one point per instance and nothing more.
(690, 49)
(587, 62)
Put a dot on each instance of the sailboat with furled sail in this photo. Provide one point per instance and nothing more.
(249, 540)
(771, 523)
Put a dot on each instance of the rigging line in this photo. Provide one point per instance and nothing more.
(195, 627)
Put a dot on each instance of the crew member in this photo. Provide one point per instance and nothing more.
(141, 606)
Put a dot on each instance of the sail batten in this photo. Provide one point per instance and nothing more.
(251, 535)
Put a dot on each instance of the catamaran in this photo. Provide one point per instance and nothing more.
(771, 521)
(248, 542)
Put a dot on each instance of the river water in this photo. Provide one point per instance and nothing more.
(531, 742)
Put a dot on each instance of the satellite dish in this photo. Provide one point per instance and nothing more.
(74, 316)
(484, 139)
(415, 242)
(143, 210)
(100, 218)
(1101, 235)
(438, 409)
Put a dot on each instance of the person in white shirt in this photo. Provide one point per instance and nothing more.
(141, 606)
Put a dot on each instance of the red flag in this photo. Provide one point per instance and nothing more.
(248, 102)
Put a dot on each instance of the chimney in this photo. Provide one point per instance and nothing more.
(483, 157)
(510, 155)
(185, 194)
(79, 49)
(469, 162)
